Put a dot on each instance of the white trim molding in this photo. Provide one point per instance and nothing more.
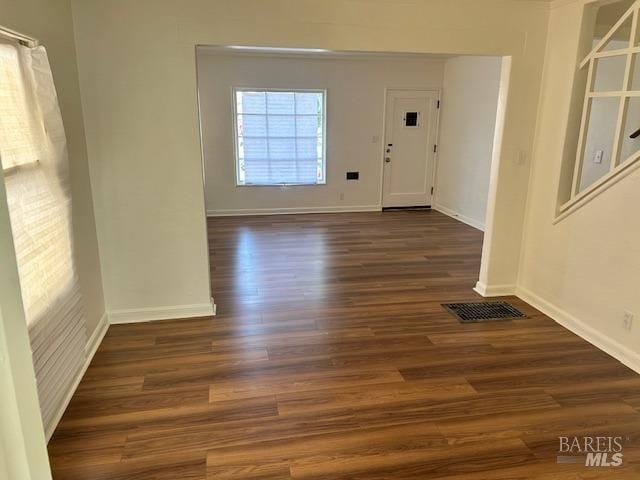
(93, 343)
(494, 290)
(96, 337)
(458, 216)
(618, 351)
(293, 210)
(171, 312)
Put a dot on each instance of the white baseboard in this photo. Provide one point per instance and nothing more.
(90, 350)
(293, 210)
(136, 315)
(618, 351)
(458, 216)
(96, 337)
(494, 290)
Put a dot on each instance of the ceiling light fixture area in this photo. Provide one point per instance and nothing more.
(277, 49)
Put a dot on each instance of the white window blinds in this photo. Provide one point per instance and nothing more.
(20, 134)
(280, 137)
(33, 154)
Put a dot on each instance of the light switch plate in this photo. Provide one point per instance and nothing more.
(597, 158)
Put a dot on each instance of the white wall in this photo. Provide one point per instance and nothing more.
(137, 74)
(355, 111)
(584, 269)
(465, 146)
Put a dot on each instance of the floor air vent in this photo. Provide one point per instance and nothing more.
(483, 312)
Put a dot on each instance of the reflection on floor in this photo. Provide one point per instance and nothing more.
(331, 357)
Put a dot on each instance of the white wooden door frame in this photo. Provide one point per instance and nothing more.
(438, 91)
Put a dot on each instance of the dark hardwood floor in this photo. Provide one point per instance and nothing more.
(331, 357)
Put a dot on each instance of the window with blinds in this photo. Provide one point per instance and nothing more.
(280, 137)
(33, 155)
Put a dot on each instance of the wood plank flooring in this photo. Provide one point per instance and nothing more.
(331, 358)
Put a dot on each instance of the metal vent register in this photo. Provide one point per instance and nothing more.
(483, 312)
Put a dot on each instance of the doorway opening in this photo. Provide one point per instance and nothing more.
(439, 144)
(392, 130)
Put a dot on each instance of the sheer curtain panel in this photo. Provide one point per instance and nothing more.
(33, 152)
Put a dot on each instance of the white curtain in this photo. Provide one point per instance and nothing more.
(33, 152)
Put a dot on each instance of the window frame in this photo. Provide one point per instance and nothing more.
(236, 152)
(617, 165)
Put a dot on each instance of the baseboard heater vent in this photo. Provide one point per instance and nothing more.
(483, 312)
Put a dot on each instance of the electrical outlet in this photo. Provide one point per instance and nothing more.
(342, 196)
(627, 320)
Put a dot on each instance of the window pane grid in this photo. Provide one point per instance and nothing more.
(279, 137)
(613, 93)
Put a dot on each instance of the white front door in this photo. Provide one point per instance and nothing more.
(410, 144)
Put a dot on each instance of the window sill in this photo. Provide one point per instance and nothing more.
(282, 185)
(595, 189)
